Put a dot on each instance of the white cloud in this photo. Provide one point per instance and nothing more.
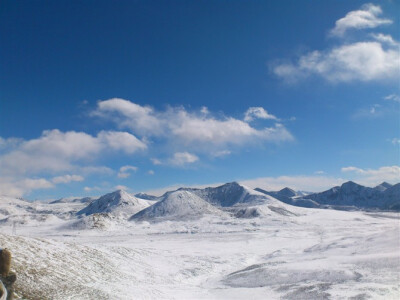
(395, 141)
(9, 143)
(141, 119)
(88, 189)
(257, 113)
(121, 187)
(371, 112)
(57, 151)
(364, 60)
(66, 178)
(21, 187)
(155, 161)
(221, 153)
(374, 176)
(150, 172)
(361, 61)
(384, 39)
(123, 171)
(366, 17)
(198, 130)
(123, 141)
(393, 97)
(183, 158)
(319, 172)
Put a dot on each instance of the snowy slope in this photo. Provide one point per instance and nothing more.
(322, 254)
(289, 196)
(178, 205)
(118, 203)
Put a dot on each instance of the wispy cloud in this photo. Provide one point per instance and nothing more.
(393, 97)
(121, 187)
(374, 111)
(374, 176)
(183, 158)
(67, 178)
(395, 141)
(258, 113)
(124, 171)
(368, 16)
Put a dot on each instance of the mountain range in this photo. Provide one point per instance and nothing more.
(230, 199)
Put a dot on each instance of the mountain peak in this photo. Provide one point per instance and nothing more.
(288, 192)
(351, 185)
(118, 201)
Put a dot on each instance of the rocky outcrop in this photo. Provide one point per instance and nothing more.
(7, 277)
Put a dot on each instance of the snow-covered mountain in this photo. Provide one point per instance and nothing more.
(232, 198)
(351, 194)
(73, 200)
(231, 194)
(117, 203)
(383, 186)
(290, 196)
(177, 205)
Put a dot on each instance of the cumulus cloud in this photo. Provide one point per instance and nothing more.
(196, 129)
(374, 176)
(141, 119)
(366, 17)
(58, 152)
(183, 158)
(257, 113)
(67, 178)
(20, 187)
(123, 141)
(361, 61)
(150, 172)
(364, 60)
(9, 143)
(123, 171)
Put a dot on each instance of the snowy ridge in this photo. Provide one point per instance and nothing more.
(349, 195)
(231, 194)
(117, 203)
(178, 205)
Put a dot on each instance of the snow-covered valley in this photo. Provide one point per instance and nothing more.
(247, 245)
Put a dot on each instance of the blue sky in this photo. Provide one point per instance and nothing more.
(149, 95)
